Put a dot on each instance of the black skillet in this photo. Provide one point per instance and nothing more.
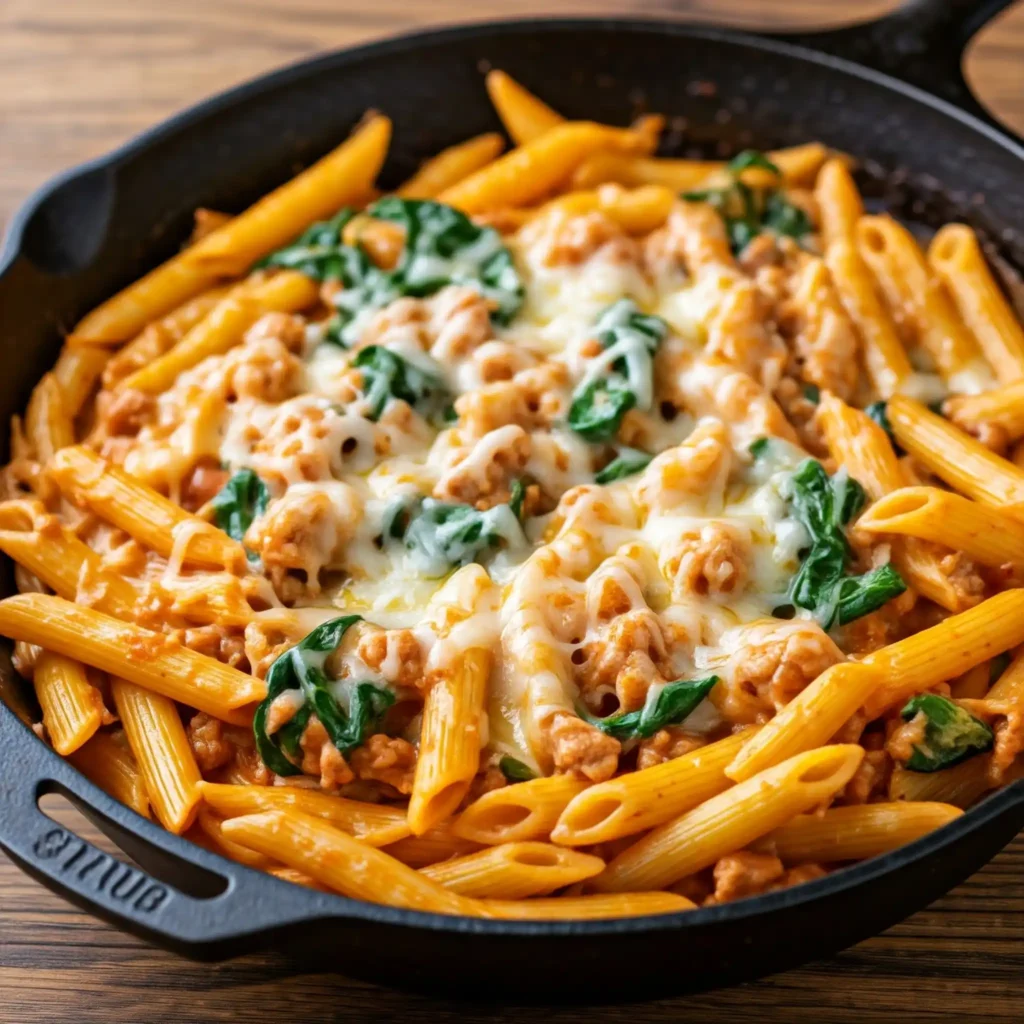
(931, 153)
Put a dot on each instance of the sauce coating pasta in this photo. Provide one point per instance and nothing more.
(570, 497)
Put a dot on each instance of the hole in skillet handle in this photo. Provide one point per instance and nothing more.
(69, 843)
(66, 231)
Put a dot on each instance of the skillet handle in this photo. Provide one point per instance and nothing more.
(228, 909)
(921, 43)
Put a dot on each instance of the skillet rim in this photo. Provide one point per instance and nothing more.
(974, 819)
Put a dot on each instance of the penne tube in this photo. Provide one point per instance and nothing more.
(946, 650)
(160, 335)
(47, 421)
(973, 684)
(142, 512)
(915, 295)
(641, 800)
(797, 166)
(534, 169)
(124, 315)
(885, 358)
(452, 165)
(64, 563)
(517, 813)
(150, 660)
(449, 752)
(341, 178)
(956, 257)
(524, 116)
(961, 786)
(225, 327)
(514, 871)
(373, 824)
(158, 740)
(809, 720)
(72, 707)
(112, 766)
(436, 845)
(860, 445)
(637, 211)
(296, 878)
(839, 203)
(731, 820)
(335, 859)
(1001, 407)
(210, 827)
(857, 832)
(77, 372)
(958, 459)
(600, 906)
(979, 531)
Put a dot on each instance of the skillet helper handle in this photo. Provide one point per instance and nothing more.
(921, 43)
(233, 910)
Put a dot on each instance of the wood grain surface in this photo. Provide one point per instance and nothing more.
(77, 77)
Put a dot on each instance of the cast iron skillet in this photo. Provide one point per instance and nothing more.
(102, 225)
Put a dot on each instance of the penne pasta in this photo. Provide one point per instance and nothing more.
(1002, 408)
(373, 824)
(72, 707)
(514, 814)
(141, 512)
(337, 860)
(862, 448)
(534, 169)
(112, 766)
(452, 165)
(915, 295)
(77, 372)
(959, 460)
(982, 532)
(600, 906)
(436, 845)
(857, 832)
(149, 660)
(839, 203)
(808, 721)
(955, 255)
(224, 327)
(211, 828)
(524, 116)
(47, 422)
(157, 738)
(946, 650)
(514, 871)
(341, 178)
(638, 801)
(731, 820)
(960, 786)
(449, 741)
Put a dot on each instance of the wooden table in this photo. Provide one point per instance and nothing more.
(79, 76)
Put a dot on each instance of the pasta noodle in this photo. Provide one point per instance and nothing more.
(530, 538)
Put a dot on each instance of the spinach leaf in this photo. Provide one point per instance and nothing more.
(387, 375)
(951, 735)
(442, 247)
(628, 462)
(241, 500)
(516, 771)
(302, 668)
(824, 506)
(759, 447)
(598, 407)
(441, 536)
(746, 211)
(669, 705)
(812, 393)
(622, 376)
